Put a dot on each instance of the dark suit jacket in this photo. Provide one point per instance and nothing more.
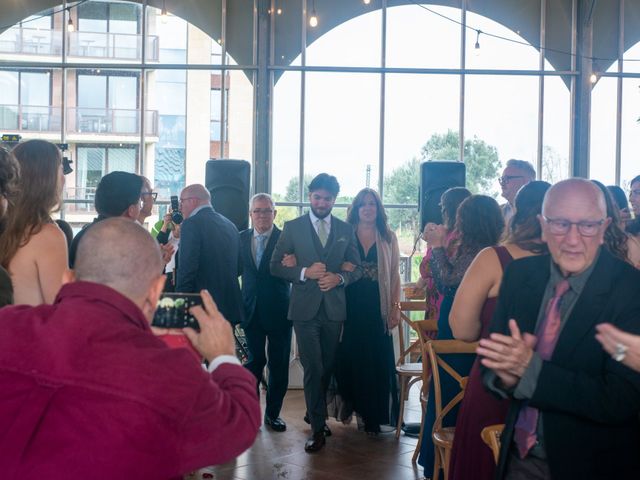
(263, 293)
(210, 258)
(589, 402)
(300, 238)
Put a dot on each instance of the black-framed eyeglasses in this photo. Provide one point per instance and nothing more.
(262, 211)
(586, 228)
(154, 195)
(503, 180)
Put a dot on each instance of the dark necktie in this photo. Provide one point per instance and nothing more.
(548, 332)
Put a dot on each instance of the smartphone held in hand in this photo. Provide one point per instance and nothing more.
(173, 311)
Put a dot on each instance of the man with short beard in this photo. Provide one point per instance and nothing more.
(320, 244)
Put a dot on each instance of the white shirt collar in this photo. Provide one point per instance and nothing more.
(315, 219)
(197, 209)
(267, 233)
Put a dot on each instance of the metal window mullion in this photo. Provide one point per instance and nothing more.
(303, 85)
(142, 86)
(255, 77)
(271, 90)
(383, 90)
(541, 80)
(463, 64)
(618, 166)
(223, 80)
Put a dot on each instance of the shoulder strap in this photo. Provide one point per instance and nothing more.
(504, 256)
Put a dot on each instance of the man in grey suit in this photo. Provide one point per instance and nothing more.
(321, 244)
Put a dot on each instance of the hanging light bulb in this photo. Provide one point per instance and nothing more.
(70, 26)
(366, 2)
(279, 11)
(164, 16)
(313, 19)
(477, 45)
(593, 78)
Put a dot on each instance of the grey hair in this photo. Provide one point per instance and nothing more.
(524, 166)
(262, 196)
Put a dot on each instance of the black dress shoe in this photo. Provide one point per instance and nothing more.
(315, 443)
(326, 430)
(276, 424)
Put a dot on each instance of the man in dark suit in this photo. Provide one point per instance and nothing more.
(320, 243)
(209, 253)
(574, 409)
(266, 301)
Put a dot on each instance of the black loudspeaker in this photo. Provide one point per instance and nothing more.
(228, 182)
(436, 177)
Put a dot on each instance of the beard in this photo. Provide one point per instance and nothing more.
(321, 214)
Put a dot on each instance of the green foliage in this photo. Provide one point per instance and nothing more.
(293, 189)
(481, 159)
(402, 184)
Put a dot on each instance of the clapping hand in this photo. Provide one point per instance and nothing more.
(507, 355)
(435, 235)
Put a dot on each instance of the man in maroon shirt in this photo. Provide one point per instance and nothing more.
(87, 391)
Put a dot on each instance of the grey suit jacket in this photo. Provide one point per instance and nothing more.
(300, 238)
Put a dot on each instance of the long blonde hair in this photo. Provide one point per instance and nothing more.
(37, 197)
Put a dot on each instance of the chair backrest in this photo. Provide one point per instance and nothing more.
(415, 346)
(491, 436)
(436, 348)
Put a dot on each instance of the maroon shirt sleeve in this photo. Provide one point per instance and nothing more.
(224, 419)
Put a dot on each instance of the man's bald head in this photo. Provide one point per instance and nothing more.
(579, 188)
(192, 197)
(120, 254)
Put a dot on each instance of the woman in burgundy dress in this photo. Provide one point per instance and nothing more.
(470, 318)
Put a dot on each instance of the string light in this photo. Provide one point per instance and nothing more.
(279, 7)
(164, 17)
(313, 19)
(593, 78)
(477, 46)
(70, 26)
(366, 2)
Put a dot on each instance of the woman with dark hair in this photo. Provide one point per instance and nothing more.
(616, 240)
(9, 172)
(32, 247)
(469, 320)
(449, 203)
(365, 367)
(479, 224)
(621, 200)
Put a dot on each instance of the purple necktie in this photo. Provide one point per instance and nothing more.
(525, 433)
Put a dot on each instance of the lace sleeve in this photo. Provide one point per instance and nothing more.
(447, 272)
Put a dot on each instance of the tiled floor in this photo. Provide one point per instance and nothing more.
(348, 455)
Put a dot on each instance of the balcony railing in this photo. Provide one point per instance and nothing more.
(109, 121)
(28, 118)
(117, 46)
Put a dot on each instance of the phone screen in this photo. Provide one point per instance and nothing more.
(173, 311)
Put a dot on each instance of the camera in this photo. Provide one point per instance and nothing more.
(176, 214)
(173, 311)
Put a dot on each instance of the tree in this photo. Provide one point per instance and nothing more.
(481, 159)
(402, 185)
(293, 189)
(554, 167)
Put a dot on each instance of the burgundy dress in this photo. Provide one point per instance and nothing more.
(471, 458)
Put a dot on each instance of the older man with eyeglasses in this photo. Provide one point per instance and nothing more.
(516, 174)
(574, 408)
(266, 303)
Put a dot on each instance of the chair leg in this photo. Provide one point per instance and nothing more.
(436, 465)
(416, 452)
(403, 387)
(447, 456)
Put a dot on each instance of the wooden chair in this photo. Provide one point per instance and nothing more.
(425, 330)
(408, 372)
(491, 436)
(443, 436)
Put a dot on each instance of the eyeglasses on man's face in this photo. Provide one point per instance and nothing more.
(262, 211)
(503, 180)
(586, 228)
(153, 195)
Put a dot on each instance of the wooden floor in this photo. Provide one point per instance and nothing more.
(348, 454)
